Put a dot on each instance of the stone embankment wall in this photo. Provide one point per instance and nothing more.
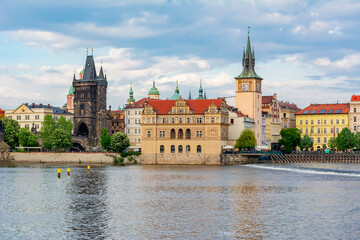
(181, 159)
(233, 159)
(60, 158)
(320, 158)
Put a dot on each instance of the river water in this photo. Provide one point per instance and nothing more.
(293, 201)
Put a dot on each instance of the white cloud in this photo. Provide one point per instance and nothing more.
(52, 40)
(346, 62)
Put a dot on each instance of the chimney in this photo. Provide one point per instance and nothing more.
(48, 105)
(26, 104)
(33, 105)
(40, 105)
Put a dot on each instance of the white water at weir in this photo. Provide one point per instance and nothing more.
(307, 170)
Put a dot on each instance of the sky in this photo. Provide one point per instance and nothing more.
(306, 51)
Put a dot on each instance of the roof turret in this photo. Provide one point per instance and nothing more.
(201, 91)
(131, 95)
(154, 90)
(176, 94)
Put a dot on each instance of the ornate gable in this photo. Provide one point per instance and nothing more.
(23, 109)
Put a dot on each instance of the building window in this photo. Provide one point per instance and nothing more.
(162, 133)
(318, 121)
(135, 112)
(337, 130)
(354, 110)
(162, 149)
(187, 149)
(198, 133)
(318, 130)
(180, 134)
(172, 134)
(284, 115)
(26, 125)
(325, 121)
(56, 118)
(180, 149)
(354, 119)
(135, 121)
(180, 120)
(306, 121)
(354, 128)
(331, 121)
(128, 112)
(173, 120)
(325, 140)
(18, 117)
(301, 130)
(300, 122)
(139, 130)
(198, 120)
(148, 133)
(188, 120)
(232, 121)
(306, 130)
(27, 117)
(135, 130)
(331, 130)
(172, 149)
(325, 130)
(37, 126)
(82, 109)
(312, 130)
(128, 131)
(343, 121)
(212, 120)
(337, 121)
(198, 149)
(312, 121)
(318, 140)
(148, 120)
(188, 134)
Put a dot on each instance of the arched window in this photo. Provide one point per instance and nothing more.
(180, 134)
(172, 134)
(180, 149)
(198, 149)
(172, 149)
(162, 149)
(187, 149)
(83, 130)
(188, 134)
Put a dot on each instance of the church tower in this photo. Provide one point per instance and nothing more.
(90, 91)
(131, 99)
(154, 92)
(248, 90)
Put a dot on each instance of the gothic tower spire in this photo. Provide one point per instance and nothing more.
(201, 91)
(131, 95)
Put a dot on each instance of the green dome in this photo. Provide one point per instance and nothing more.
(82, 71)
(176, 94)
(154, 90)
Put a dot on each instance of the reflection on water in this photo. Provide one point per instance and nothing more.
(88, 212)
(182, 202)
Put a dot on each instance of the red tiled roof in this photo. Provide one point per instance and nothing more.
(1, 112)
(267, 99)
(355, 98)
(325, 109)
(199, 106)
(138, 104)
(287, 105)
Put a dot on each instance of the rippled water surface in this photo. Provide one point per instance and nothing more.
(294, 201)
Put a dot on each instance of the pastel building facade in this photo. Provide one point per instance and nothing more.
(184, 131)
(271, 112)
(322, 122)
(287, 112)
(31, 116)
(354, 118)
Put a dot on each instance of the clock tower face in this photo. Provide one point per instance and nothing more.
(245, 87)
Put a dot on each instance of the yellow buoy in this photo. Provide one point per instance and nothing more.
(89, 168)
(59, 172)
(68, 171)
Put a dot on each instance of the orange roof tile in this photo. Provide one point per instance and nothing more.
(138, 104)
(355, 98)
(267, 99)
(199, 106)
(339, 108)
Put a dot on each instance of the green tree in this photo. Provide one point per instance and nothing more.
(305, 142)
(105, 139)
(357, 140)
(12, 128)
(332, 143)
(290, 138)
(119, 141)
(47, 128)
(64, 124)
(60, 140)
(345, 140)
(246, 139)
(27, 138)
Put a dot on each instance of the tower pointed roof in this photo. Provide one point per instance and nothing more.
(248, 62)
(101, 74)
(71, 90)
(90, 70)
(131, 95)
(176, 94)
(201, 91)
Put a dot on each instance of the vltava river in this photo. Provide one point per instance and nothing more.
(298, 201)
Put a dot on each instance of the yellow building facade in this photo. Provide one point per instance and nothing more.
(184, 131)
(322, 122)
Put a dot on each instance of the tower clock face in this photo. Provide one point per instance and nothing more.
(245, 87)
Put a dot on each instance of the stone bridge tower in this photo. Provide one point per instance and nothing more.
(90, 115)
